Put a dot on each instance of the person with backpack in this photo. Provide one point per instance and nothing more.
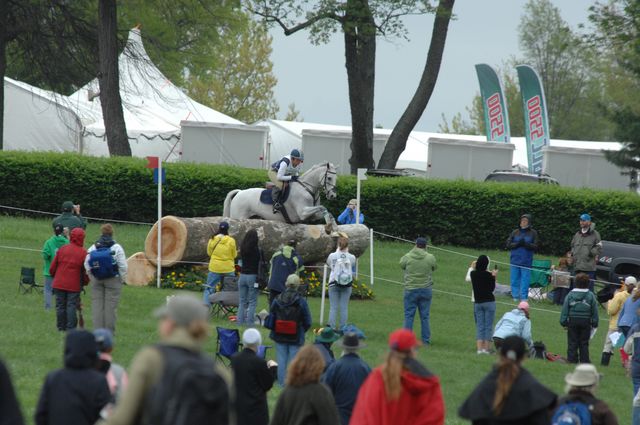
(284, 262)
(70, 217)
(77, 393)
(579, 405)
(116, 375)
(514, 322)
(614, 308)
(523, 243)
(174, 382)
(106, 266)
(579, 316)
(288, 321)
(251, 256)
(343, 266)
(418, 267)
(69, 276)
(49, 250)
(509, 394)
(222, 250)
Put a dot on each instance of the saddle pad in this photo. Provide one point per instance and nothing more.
(265, 196)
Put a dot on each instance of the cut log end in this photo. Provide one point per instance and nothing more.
(174, 241)
(140, 271)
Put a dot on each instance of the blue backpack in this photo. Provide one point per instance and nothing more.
(103, 264)
(572, 413)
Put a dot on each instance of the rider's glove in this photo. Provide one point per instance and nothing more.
(294, 178)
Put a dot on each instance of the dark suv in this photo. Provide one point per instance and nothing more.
(618, 260)
(510, 176)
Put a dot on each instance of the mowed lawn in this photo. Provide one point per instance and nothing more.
(32, 347)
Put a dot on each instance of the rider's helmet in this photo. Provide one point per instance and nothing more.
(296, 153)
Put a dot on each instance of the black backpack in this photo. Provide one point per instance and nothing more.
(284, 322)
(189, 392)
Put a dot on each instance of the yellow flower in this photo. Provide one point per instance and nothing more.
(173, 273)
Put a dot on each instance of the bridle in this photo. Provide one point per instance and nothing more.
(326, 186)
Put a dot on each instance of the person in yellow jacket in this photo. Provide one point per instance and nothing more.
(614, 307)
(222, 250)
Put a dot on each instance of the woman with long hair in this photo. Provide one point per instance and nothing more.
(509, 394)
(484, 307)
(247, 287)
(343, 265)
(305, 400)
(401, 390)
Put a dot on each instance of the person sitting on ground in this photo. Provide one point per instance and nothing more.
(69, 276)
(401, 390)
(284, 263)
(614, 307)
(305, 400)
(163, 375)
(117, 377)
(70, 217)
(343, 266)
(222, 250)
(579, 315)
(514, 322)
(509, 394)
(253, 378)
(484, 307)
(106, 265)
(10, 413)
(346, 375)
(580, 400)
(49, 250)
(283, 171)
(348, 216)
(77, 393)
(289, 319)
(324, 339)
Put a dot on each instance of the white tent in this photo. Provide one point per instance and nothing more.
(39, 120)
(153, 107)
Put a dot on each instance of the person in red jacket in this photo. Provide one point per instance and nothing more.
(69, 276)
(401, 390)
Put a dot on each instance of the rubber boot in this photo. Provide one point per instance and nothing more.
(275, 196)
(606, 357)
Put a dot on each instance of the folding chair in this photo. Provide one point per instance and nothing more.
(225, 302)
(540, 278)
(227, 344)
(27, 281)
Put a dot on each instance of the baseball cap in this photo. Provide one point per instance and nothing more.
(585, 217)
(523, 306)
(223, 225)
(67, 206)
(630, 280)
(251, 337)
(403, 340)
(104, 339)
(421, 242)
(183, 310)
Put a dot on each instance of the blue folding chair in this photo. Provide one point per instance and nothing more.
(227, 344)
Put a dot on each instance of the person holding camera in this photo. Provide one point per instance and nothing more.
(523, 243)
(348, 216)
(70, 217)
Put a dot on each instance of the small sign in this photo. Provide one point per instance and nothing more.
(153, 162)
(362, 173)
(155, 175)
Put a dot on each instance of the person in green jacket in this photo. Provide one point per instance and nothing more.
(70, 217)
(48, 252)
(579, 315)
(418, 266)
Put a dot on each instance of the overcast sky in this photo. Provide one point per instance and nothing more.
(484, 31)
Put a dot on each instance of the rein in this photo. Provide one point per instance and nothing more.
(313, 190)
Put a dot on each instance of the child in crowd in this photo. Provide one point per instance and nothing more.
(579, 315)
(561, 280)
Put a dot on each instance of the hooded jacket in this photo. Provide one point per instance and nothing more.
(284, 262)
(418, 266)
(288, 298)
(420, 402)
(514, 322)
(116, 250)
(67, 268)
(601, 414)
(222, 250)
(482, 281)
(49, 250)
(585, 248)
(528, 403)
(77, 393)
(523, 243)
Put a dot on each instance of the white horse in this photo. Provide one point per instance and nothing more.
(302, 203)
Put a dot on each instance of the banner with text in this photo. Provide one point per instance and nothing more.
(536, 122)
(494, 104)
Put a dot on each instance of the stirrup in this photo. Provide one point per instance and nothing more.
(276, 207)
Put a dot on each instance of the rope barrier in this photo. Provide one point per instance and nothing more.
(6, 207)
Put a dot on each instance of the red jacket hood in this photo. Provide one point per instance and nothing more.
(77, 236)
(416, 384)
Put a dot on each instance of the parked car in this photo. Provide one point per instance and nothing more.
(617, 261)
(511, 176)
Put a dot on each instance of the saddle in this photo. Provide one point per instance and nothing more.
(265, 195)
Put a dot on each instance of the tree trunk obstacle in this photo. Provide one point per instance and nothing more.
(184, 240)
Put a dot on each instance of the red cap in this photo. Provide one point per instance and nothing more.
(403, 340)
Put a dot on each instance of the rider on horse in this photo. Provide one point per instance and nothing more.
(282, 172)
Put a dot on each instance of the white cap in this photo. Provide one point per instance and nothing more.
(251, 337)
(630, 280)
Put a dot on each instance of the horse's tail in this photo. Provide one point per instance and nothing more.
(227, 202)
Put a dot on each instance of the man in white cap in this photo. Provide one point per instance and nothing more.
(614, 307)
(580, 402)
(253, 378)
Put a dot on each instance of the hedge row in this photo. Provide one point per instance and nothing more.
(472, 214)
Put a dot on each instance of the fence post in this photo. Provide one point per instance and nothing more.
(324, 290)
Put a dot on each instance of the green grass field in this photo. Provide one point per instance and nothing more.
(32, 347)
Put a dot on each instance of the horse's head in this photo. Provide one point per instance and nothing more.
(322, 176)
(330, 181)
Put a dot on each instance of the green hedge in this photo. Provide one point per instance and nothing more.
(472, 214)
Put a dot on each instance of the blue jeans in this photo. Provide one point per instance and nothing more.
(284, 354)
(248, 299)
(484, 314)
(635, 415)
(212, 281)
(635, 376)
(48, 292)
(520, 280)
(418, 299)
(339, 300)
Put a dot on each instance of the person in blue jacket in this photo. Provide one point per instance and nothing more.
(514, 322)
(348, 216)
(628, 315)
(522, 242)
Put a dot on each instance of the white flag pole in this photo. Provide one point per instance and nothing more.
(159, 258)
(371, 256)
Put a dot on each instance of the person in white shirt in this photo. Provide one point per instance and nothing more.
(343, 266)
(282, 172)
